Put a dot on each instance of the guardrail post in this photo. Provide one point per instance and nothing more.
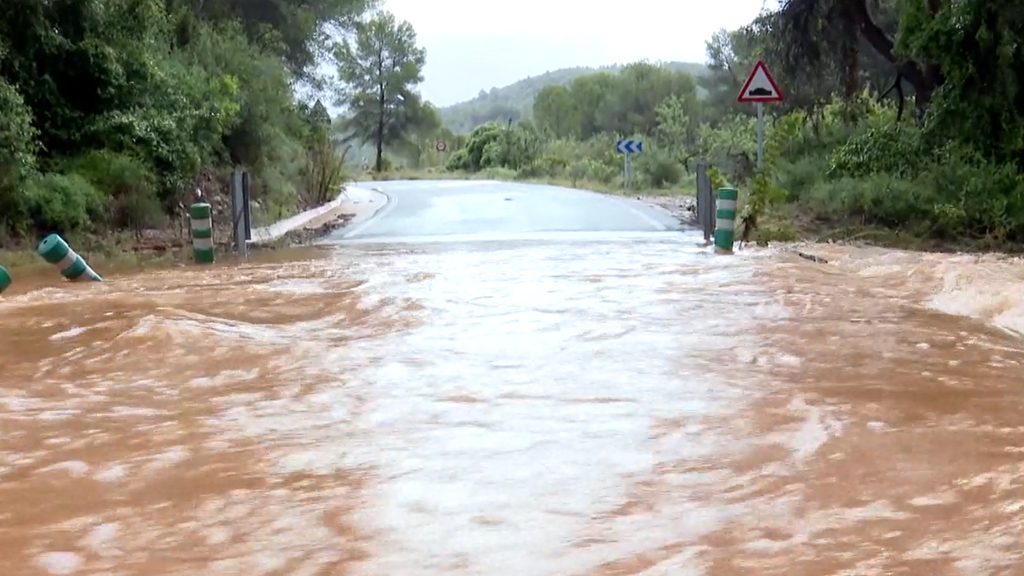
(56, 251)
(705, 203)
(5, 279)
(725, 220)
(200, 217)
(238, 208)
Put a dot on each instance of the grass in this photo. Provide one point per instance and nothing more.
(115, 251)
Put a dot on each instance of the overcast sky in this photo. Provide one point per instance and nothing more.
(473, 45)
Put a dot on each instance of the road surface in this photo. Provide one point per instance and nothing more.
(422, 210)
(532, 405)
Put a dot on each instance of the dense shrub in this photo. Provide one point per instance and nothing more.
(63, 203)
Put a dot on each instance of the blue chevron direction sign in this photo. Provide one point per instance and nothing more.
(629, 146)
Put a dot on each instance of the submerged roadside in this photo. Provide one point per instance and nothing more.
(355, 205)
(158, 248)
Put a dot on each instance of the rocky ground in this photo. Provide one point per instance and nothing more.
(683, 208)
(316, 229)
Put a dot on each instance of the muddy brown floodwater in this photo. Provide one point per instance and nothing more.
(619, 407)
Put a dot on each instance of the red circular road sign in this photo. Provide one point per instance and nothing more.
(440, 146)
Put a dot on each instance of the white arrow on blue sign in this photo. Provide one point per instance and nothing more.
(629, 146)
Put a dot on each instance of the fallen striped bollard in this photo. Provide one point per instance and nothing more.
(56, 251)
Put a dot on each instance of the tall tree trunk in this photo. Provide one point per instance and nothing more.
(851, 70)
(851, 52)
(380, 130)
(924, 80)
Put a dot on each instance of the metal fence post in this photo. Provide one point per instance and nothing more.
(246, 205)
(238, 212)
(705, 203)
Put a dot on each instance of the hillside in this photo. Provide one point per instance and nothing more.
(516, 100)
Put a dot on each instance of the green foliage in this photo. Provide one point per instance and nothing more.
(836, 154)
(324, 172)
(575, 127)
(659, 169)
(888, 175)
(126, 185)
(975, 46)
(516, 101)
(126, 104)
(62, 203)
(893, 149)
(293, 30)
(716, 178)
(114, 110)
(17, 155)
(623, 103)
(379, 71)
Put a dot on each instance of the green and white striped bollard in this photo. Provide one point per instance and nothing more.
(56, 251)
(201, 216)
(725, 220)
(5, 279)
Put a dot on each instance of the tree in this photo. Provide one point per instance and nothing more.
(379, 72)
(116, 109)
(815, 34)
(293, 29)
(555, 112)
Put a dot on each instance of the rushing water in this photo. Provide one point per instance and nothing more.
(615, 407)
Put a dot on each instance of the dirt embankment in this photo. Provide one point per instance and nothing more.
(176, 237)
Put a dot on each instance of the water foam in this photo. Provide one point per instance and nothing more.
(987, 289)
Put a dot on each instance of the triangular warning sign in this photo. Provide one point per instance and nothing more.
(760, 86)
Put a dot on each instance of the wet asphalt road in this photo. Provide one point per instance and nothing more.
(427, 210)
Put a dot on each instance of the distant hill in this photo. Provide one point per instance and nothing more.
(516, 100)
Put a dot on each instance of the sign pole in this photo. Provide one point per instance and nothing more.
(627, 148)
(760, 134)
(760, 87)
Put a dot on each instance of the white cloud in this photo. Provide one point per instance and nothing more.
(473, 45)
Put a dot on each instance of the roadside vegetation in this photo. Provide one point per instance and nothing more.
(116, 111)
(903, 120)
(903, 124)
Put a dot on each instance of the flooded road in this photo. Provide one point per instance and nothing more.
(630, 406)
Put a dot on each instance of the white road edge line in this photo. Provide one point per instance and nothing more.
(651, 221)
(380, 213)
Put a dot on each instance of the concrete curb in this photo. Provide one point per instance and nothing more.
(351, 194)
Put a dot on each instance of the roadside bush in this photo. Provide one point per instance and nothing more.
(128, 185)
(973, 197)
(659, 170)
(17, 156)
(893, 149)
(62, 203)
(799, 176)
(878, 199)
(324, 172)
